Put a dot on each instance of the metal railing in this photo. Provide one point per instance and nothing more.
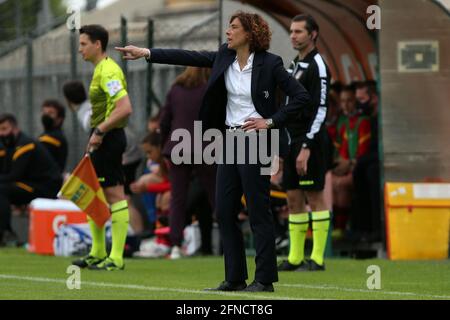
(36, 68)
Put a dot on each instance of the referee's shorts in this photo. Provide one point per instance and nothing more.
(107, 159)
(314, 180)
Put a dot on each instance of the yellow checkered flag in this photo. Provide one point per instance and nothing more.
(83, 189)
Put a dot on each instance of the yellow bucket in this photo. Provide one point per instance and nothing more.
(417, 220)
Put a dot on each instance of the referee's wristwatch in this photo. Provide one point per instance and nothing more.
(305, 145)
(99, 132)
(270, 124)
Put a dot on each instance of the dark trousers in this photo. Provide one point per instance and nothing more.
(366, 213)
(233, 180)
(198, 205)
(21, 194)
(180, 177)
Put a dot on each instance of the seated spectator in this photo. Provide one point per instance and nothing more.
(53, 138)
(155, 189)
(366, 213)
(76, 98)
(149, 199)
(153, 123)
(156, 180)
(367, 98)
(31, 171)
(352, 142)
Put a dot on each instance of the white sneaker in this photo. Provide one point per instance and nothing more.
(175, 253)
(151, 249)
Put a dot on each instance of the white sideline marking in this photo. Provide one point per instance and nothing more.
(230, 294)
(396, 293)
(145, 288)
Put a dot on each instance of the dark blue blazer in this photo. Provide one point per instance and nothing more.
(268, 73)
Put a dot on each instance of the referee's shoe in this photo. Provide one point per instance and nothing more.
(313, 266)
(87, 261)
(285, 265)
(107, 265)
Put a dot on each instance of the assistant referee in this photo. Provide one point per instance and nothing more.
(110, 110)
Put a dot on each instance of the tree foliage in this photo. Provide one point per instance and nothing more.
(19, 17)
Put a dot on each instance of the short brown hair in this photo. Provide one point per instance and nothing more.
(193, 77)
(55, 104)
(8, 117)
(258, 29)
(310, 25)
(369, 85)
(96, 32)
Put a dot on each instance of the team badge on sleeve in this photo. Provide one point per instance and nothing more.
(114, 86)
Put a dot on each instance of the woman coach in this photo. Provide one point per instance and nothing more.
(241, 96)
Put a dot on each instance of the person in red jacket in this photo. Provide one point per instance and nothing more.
(352, 142)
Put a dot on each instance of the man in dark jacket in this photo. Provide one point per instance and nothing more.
(53, 115)
(31, 172)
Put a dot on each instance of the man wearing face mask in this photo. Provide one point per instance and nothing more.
(365, 218)
(53, 115)
(30, 171)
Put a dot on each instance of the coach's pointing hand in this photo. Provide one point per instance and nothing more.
(133, 53)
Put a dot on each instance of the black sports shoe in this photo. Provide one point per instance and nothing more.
(304, 266)
(256, 286)
(87, 261)
(285, 265)
(108, 265)
(229, 286)
(313, 266)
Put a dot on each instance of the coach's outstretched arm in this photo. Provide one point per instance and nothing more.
(134, 53)
(202, 59)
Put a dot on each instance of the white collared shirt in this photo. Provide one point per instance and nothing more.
(238, 83)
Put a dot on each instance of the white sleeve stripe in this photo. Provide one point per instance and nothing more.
(322, 110)
(321, 65)
(320, 118)
(304, 65)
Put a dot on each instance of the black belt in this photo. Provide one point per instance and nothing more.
(233, 128)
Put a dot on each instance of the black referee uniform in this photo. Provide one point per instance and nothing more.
(307, 130)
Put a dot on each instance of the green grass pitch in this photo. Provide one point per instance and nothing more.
(28, 276)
